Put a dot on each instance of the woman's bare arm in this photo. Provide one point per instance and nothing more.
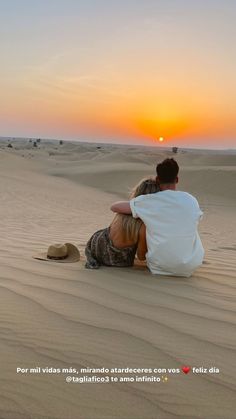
(122, 207)
(142, 244)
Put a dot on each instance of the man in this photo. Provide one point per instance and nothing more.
(171, 218)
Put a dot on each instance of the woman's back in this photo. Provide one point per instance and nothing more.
(124, 230)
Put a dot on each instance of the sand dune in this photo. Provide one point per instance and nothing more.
(61, 315)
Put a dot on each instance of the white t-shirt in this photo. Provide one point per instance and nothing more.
(171, 219)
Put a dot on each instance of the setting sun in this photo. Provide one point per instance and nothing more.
(161, 139)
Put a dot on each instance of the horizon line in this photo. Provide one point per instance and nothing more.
(157, 145)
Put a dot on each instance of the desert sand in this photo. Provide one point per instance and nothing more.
(62, 315)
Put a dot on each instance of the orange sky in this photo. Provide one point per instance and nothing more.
(119, 73)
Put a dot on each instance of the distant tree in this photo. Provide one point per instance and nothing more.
(38, 140)
(175, 150)
(61, 142)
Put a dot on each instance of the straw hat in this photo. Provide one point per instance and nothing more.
(60, 253)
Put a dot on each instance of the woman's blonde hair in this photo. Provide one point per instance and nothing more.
(144, 187)
(131, 226)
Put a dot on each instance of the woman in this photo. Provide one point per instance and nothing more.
(117, 244)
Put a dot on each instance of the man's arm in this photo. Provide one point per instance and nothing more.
(142, 244)
(122, 207)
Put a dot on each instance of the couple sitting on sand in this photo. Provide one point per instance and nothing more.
(158, 224)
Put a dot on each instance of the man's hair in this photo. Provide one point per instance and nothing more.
(167, 171)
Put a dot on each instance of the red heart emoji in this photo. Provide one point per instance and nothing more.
(186, 369)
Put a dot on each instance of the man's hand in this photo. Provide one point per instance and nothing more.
(122, 207)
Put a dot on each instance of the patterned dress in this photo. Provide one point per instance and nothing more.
(101, 251)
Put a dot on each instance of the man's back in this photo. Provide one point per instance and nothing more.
(171, 218)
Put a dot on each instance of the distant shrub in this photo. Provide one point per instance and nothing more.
(9, 145)
(30, 140)
(61, 142)
(175, 150)
(35, 144)
(38, 140)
